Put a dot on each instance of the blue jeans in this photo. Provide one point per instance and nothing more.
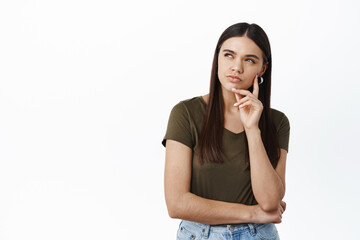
(195, 231)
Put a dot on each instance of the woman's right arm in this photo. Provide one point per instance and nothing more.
(183, 204)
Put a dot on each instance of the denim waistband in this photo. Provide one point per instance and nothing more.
(206, 228)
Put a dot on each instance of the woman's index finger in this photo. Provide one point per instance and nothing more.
(256, 87)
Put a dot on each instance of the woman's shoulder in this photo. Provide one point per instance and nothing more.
(193, 100)
(190, 104)
(279, 119)
(276, 112)
(190, 110)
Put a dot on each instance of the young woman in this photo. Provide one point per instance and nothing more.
(226, 151)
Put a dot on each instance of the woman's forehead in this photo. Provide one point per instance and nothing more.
(241, 45)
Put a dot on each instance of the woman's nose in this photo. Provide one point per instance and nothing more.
(237, 68)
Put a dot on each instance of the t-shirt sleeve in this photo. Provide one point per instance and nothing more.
(178, 127)
(284, 132)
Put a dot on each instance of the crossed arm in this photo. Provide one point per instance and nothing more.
(183, 204)
(268, 184)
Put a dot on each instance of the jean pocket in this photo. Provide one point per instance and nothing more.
(185, 234)
(267, 231)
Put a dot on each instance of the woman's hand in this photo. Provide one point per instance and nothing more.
(249, 105)
(260, 216)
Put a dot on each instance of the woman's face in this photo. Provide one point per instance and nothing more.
(239, 60)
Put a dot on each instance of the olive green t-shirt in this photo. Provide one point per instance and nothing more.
(228, 181)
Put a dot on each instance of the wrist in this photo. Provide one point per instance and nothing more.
(253, 130)
(244, 213)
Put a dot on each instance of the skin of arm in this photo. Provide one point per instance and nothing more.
(268, 184)
(183, 204)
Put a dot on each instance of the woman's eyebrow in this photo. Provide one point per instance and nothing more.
(230, 51)
(252, 55)
(248, 55)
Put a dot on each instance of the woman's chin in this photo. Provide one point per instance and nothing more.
(239, 85)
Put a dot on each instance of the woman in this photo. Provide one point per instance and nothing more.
(226, 151)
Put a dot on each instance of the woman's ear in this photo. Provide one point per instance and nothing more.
(263, 70)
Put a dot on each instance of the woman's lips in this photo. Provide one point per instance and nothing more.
(233, 79)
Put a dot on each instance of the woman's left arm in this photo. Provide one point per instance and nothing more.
(268, 184)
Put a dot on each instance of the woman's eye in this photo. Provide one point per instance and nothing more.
(228, 55)
(250, 60)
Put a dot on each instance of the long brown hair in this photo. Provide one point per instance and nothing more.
(209, 147)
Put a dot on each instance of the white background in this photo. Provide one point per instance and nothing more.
(86, 88)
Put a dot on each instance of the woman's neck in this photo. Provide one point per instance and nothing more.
(229, 100)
